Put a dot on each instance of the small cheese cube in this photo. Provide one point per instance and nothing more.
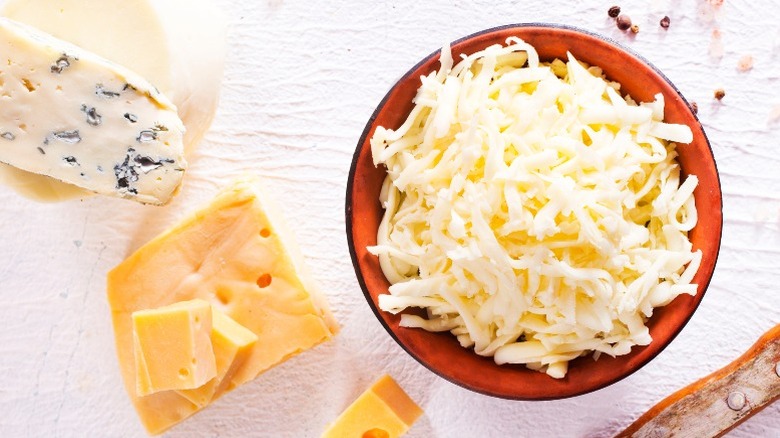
(383, 411)
(232, 344)
(172, 347)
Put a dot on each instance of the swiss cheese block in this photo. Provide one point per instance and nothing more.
(232, 344)
(76, 117)
(383, 411)
(177, 45)
(172, 347)
(237, 254)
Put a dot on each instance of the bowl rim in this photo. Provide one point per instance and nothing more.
(349, 210)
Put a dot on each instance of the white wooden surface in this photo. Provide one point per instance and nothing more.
(301, 81)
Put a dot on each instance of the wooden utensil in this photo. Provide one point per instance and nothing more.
(719, 402)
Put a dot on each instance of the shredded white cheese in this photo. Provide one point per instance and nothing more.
(533, 211)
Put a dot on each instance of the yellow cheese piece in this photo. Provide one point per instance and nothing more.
(237, 254)
(172, 347)
(232, 344)
(383, 411)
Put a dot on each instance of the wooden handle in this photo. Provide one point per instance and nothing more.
(719, 402)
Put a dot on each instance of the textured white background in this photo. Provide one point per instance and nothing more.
(301, 80)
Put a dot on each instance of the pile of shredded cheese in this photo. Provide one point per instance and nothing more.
(533, 211)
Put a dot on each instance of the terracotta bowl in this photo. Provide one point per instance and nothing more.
(440, 352)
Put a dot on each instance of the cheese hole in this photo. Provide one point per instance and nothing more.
(184, 373)
(376, 433)
(265, 232)
(28, 85)
(264, 280)
(223, 295)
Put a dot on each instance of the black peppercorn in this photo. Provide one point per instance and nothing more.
(614, 11)
(623, 22)
(720, 93)
(695, 107)
(665, 22)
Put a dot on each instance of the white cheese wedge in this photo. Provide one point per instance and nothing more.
(76, 117)
(177, 45)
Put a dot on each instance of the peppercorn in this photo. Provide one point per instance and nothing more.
(695, 107)
(635, 28)
(623, 22)
(720, 93)
(665, 22)
(614, 11)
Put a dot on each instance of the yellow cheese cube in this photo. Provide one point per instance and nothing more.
(237, 254)
(172, 347)
(232, 344)
(383, 411)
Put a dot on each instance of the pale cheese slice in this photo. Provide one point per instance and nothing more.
(76, 117)
(177, 45)
(238, 255)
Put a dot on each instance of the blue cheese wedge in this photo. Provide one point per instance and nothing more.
(76, 117)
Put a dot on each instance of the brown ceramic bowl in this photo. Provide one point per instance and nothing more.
(440, 352)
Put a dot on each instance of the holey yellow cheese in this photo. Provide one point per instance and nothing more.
(172, 347)
(238, 255)
(232, 344)
(383, 411)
